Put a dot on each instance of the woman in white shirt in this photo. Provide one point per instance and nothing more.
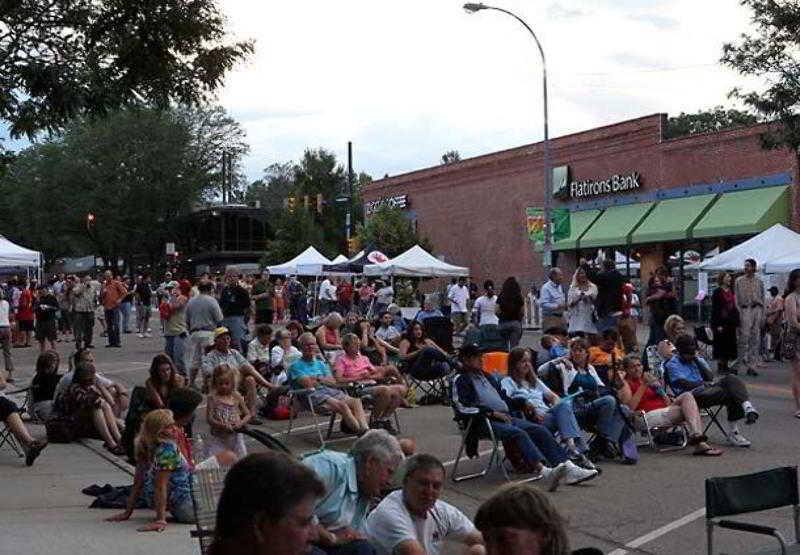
(282, 356)
(5, 335)
(580, 303)
(541, 405)
(486, 305)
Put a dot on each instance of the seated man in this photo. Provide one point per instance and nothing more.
(428, 311)
(118, 399)
(688, 372)
(248, 380)
(414, 521)
(258, 350)
(9, 415)
(387, 332)
(535, 442)
(605, 356)
(351, 481)
(309, 372)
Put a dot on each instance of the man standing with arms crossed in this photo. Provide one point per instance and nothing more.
(750, 298)
(111, 296)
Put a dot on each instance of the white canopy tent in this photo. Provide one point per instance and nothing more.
(620, 260)
(307, 263)
(766, 248)
(340, 259)
(415, 262)
(15, 256)
(783, 264)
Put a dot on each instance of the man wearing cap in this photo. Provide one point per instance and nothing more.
(234, 300)
(248, 379)
(263, 294)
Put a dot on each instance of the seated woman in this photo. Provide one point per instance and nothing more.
(44, 383)
(541, 405)
(390, 390)
(295, 329)
(375, 348)
(573, 374)
(606, 356)
(117, 394)
(656, 355)
(641, 391)
(422, 357)
(282, 356)
(328, 338)
(10, 416)
(309, 372)
(163, 380)
(350, 323)
(86, 400)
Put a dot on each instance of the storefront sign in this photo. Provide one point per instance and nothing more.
(397, 201)
(566, 188)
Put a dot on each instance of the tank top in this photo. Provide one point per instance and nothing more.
(650, 400)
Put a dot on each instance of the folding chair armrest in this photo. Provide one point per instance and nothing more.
(747, 527)
(303, 391)
(469, 411)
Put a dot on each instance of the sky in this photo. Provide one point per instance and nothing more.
(406, 81)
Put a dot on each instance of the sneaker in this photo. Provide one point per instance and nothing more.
(141, 335)
(584, 462)
(751, 416)
(738, 440)
(575, 475)
(148, 334)
(33, 451)
(551, 477)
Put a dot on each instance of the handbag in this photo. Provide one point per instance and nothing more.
(60, 429)
(789, 339)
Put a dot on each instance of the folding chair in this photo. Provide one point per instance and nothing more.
(712, 413)
(360, 391)
(705, 340)
(296, 404)
(648, 433)
(440, 330)
(6, 437)
(736, 495)
(470, 421)
(207, 487)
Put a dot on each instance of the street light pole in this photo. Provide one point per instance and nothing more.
(548, 174)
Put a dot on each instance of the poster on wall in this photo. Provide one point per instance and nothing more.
(560, 224)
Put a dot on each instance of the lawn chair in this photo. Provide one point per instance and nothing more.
(705, 341)
(473, 425)
(361, 391)
(7, 439)
(648, 434)
(206, 490)
(440, 330)
(711, 413)
(750, 493)
(298, 405)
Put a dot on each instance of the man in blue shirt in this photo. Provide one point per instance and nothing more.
(428, 311)
(553, 300)
(311, 374)
(686, 371)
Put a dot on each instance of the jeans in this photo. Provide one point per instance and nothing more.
(561, 419)
(112, 326)
(604, 415)
(125, 311)
(729, 391)
(83, 328)
(175, 348)
(535, 441)
(512, 331)
(238, 329)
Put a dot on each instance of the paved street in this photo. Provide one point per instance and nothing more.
(655, 507)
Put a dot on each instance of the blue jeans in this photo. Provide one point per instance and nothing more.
(535, 441)
(174, 346)
(604, 415)
(125, 310)
(112, 326)
(560, 418)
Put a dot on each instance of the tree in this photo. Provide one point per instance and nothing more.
(391, 232)
(770, 52)
(450, 157)
(295, 232)
(59, 59)
(273, 189)
(704, 121)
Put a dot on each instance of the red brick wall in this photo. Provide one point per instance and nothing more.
(474, 211)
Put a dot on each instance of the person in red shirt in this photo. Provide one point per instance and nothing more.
(344, 295)
(641, 391)
(25, 314)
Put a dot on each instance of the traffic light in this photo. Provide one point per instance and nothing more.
(319, 203)
(291, 203)
(353, 246)
(90, 218)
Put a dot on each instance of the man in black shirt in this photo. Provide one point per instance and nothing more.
(234, 300)
(609, 295)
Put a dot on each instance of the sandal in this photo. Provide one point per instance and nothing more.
(708, 452)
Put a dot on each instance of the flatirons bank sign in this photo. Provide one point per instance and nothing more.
(568, 189)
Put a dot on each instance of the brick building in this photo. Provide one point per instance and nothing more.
(627, 188)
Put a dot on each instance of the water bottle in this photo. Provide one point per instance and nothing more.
(198, 448)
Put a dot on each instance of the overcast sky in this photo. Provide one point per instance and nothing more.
(408, 80)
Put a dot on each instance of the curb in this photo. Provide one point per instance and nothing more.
(113, 459)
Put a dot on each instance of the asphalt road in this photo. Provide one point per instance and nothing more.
(654, 507)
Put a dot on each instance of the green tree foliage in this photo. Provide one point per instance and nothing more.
(60, 59)
(391, 232)
(295, 232)
(450, 157)
(137, 171)
(704, 121)
(273, 189)
(771, 52)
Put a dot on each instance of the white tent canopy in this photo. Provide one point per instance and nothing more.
(307, 263)
(766, 248)
(12, 255)
(785, 263)
(415, 262)
(340, 259)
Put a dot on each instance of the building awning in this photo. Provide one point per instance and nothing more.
(579, 222)
(745, 212)
(672, 219)
(614, 225)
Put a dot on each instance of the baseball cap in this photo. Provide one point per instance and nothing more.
(222, 330)
(469, 350)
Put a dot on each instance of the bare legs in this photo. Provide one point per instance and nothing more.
(18, 429)
(106, 424)
(387, 398)
(796, 385)
(352, 412)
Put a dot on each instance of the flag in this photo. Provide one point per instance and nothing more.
(559, 227)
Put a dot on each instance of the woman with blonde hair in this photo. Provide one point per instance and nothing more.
(328, 337)
(580, 303)
(163, 474)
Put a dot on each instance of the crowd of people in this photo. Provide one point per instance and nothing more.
(589, 378)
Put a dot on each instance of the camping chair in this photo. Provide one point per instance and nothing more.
(471, 422)
(296, 405)
(648, 434)
(361, 391)
(440, 330)
(705, 340)
(207, 487)
(488, 338)
(736, 495)
(6, 437)
(712, 413)
(495, 362)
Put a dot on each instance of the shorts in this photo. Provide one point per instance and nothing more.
(322, 394)
(459, 318)
(7, 408)
(25, 325)
(198, 341)
(46, 330)
(660, 418)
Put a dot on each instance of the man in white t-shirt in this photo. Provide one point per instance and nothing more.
(327, 295)
(413, 521)
(485, 306)
(458, 295)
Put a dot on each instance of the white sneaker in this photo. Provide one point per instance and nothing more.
(575, 474)
(141, 336)
(148, 334)
(738, 440)
(551, 477)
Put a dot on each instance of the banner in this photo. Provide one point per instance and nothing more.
(559, 226)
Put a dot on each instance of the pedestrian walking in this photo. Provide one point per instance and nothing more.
(143, 296)
(791, 337)
(234, 301)
(84, 303)
(750, 298)
(203, 316)
(263, 295)
(175, 331)
(126, 306)
(5, 335)
(459, 296)
(608, 304)
(775, 322)
(725, 321)
(511, 311)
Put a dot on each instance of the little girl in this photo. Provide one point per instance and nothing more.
(226, 413)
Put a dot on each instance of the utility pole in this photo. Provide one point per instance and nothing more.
(348, 217)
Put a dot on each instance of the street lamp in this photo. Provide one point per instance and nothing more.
(548, 174)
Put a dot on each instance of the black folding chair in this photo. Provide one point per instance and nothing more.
(750, 493)
(440, 330)
(712, 413)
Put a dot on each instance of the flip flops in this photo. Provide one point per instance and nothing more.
(710, 452)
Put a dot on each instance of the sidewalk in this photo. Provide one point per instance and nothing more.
(43, 511)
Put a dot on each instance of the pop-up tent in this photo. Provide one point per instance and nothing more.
(307, 263)
(340, 259)
(12, 255)
(783, 264)
(415, 262)
(766, 248)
